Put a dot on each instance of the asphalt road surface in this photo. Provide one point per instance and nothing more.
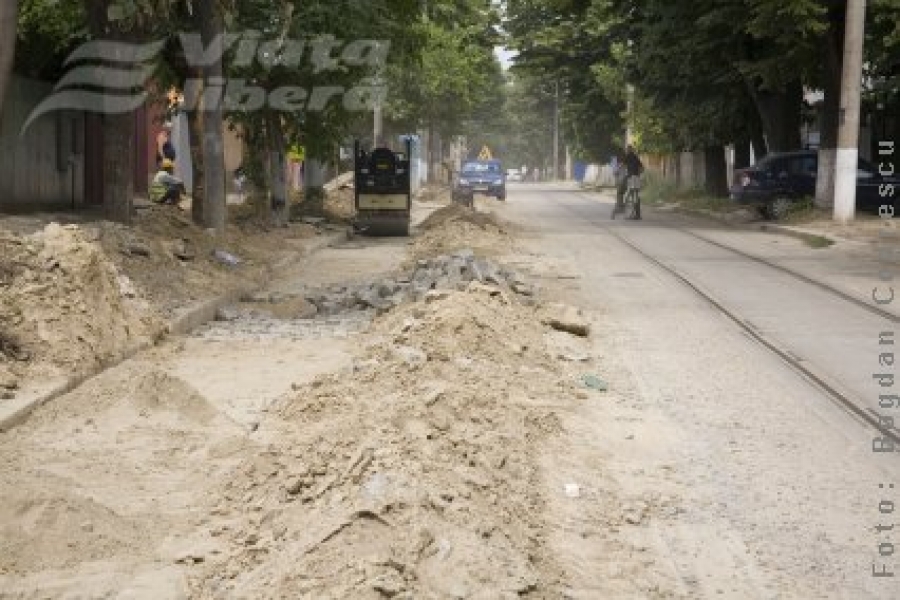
(754, 481)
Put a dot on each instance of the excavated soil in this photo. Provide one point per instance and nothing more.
(411, 473)
(64, 305)
(77, 296)
(414, 474)
(453, 227)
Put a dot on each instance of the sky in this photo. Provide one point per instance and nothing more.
(505, 56)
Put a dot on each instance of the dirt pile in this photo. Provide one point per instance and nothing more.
(411, 476)
(173, 263)
(64, 305)
(435, 194)
(83, 480)
(455, 226)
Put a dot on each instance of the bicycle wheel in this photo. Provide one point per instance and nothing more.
(630, 204)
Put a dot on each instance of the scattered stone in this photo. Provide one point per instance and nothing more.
(568, 319)
(190, 558)
(595, 383)
(476, 287)
(523, 289)
(635, 513)
(436, 295)
(8, 381)
(362, 366)
(227, 313)
(257, 298)
(389, 584)
(136, 248)
(182, 250)
(433, 391)
(226, 258)
(411, 356)
(296, 486)
(573, 356)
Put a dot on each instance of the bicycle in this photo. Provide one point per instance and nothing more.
(631, 201)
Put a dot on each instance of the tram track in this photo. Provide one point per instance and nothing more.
(845, 400)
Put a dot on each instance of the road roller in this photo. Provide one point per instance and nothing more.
(382, 190)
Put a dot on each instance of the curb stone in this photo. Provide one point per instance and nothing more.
(15, 412)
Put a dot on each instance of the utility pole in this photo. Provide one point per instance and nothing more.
(378, 132)
(379, 124)
(629, 131)
(848, 130)
(556, 132)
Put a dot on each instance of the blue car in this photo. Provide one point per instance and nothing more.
(481, 177)
(777, 181)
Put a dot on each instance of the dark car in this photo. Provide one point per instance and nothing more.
(779, 180)
(481, 177)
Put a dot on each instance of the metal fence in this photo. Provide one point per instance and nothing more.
(43, 166)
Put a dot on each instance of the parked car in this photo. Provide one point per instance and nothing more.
(779, 180)
(513, 175)
(481, 177)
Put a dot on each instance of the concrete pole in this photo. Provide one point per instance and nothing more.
(629, 131)
(378, 129)
(378, 133)
(555, 171)
(848, 130)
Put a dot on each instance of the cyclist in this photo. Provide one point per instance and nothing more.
(632, 167)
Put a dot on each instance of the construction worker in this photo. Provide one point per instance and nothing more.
(165, 149)
(166, 188)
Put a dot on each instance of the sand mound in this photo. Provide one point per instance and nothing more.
(455, 227)
(456, 213)
(64, 304)
(411, 476)
(47, 532)
(159, 392)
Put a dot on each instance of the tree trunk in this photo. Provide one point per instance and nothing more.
(211, 24)
(432, 154)
(118, 132)
(779, 112)
(742, 153)
(313, 185)
(9, 13)
(716, 171)
(195, 140)
(278, 192)
(833, 44)
(118, 167)
(758, 142)
(678, 176)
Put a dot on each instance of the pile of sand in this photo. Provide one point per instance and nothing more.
(64, 305)
(412, 476)
(107, 475)
(455, 226)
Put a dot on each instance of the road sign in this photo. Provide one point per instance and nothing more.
(485, 154)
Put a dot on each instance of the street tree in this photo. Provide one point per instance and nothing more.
(9, 11)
